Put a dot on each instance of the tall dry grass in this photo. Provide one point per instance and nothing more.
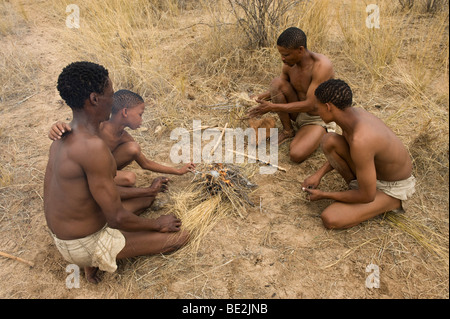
(184, 55)
(128, 37)
(14, 18)
(371, 50)
(18, 76)
(19, 68)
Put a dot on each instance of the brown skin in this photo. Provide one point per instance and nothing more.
(367, 151)
(80, 195)
(293, 92)
(123, 146)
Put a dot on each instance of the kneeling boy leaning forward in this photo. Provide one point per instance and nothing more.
(368, 155)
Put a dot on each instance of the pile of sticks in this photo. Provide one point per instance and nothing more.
(226, 180)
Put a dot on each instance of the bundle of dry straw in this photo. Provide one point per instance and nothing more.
(216, 191)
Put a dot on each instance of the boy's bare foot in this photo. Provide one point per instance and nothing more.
(91, 274)
(284, 135)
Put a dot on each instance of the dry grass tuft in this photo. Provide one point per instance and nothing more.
(432, 240)
(430, 154)
(19, 71)
(14, 18)
(216, 191)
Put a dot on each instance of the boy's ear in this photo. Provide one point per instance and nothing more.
(93, 98)
(328, 106)
(124, 112)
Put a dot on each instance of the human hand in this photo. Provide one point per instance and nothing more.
(311, 182)
(58, 129)
(160, 184)
(313, 194)
(261, 96)
(190, 167)
(168, 223)
(262, 108)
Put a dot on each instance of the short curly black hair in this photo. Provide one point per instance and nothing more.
(125, 99)
(335, 91)
(292, 38)
(78, 80)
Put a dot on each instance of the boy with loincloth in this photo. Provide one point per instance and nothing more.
(368, 155)
(127, 110)
(91, 226)
(292, 94)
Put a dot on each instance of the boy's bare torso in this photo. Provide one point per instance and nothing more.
(370, 134)
(110, 136)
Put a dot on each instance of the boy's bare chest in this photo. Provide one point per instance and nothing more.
(111, 140)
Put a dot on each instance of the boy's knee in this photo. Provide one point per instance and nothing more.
(125, 178)
(297, 156)
(328, 142)
(298, 153)
(330, 221)
(133, 149)
(130, 179)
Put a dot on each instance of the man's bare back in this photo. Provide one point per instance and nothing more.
(71, 211)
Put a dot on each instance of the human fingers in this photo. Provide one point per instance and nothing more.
(174, 217)
(308, 193)
(62, 127)
(54, 134)
(253, 112)
(162, 179)
(313, 194)
(174, 225)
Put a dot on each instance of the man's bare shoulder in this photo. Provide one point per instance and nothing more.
(82, 145)
(322, 58)
(322, 63)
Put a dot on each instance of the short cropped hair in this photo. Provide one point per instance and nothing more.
(335, 91)
(292, 38)
(125, 99)
(78, 80)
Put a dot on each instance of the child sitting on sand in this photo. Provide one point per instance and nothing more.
(126, 111)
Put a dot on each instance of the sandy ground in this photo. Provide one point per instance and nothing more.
(279, 250)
